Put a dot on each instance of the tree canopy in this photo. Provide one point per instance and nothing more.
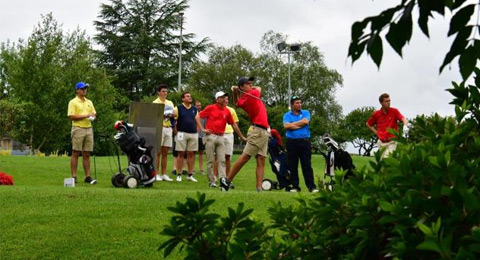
(139, 42)
(357, 133)
(40, 75)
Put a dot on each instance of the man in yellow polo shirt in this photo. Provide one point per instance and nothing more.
(167, 132)
(82, 113)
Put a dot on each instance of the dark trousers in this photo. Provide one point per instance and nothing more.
(300, 149)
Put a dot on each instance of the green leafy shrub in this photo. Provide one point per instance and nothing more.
(207, 236)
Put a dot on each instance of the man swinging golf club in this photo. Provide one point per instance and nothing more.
(257, 140)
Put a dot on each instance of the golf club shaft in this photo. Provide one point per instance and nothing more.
(241, 91)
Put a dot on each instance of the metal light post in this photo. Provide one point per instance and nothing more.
(180, 54)
(288, 49)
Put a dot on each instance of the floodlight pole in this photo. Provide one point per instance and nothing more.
(285, 48)
(180, 54)
(289, 80)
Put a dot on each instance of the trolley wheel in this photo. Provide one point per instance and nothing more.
(117, 179)
(267, 184)
(148, 185)
(130, 182)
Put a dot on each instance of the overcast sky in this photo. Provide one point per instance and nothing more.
(413, 82)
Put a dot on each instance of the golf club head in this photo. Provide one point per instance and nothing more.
(329, 142)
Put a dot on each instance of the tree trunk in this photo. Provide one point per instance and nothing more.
(42, 143)
(30, 143)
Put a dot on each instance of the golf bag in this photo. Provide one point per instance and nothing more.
(278, 163)
(140, 169)
(335, 158)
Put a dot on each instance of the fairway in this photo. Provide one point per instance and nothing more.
(41, 219)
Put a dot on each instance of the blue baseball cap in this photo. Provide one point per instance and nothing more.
(81, 85)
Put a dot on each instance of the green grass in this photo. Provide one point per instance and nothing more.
(41, 219)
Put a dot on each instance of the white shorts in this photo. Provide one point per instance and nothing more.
(229, 139)
(186, 142)
(389, 147)
(167, 139)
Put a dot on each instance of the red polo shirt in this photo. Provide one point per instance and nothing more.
(254, 108)
(217, 118)
(385, 121)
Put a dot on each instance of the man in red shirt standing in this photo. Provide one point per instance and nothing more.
(257, 139)
(217, 116)
(385, 118)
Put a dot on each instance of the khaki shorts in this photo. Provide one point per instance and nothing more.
(167, 139)
(186, 142)
(257, 142)
(228, 144)
(82, 139)
(388, 147)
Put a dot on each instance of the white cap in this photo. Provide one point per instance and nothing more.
(220, 94)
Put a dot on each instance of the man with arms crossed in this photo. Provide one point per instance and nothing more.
(257, 140)
(217, 116)
(385, 118)
(166, 141)
(82, 113)
(296, 122)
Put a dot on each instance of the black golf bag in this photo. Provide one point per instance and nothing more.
(335, 159)
(279, 164)
(140, 169)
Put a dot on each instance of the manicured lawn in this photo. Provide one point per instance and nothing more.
(41, 219)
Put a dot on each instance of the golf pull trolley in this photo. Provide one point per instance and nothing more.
(335, 158)
(140, 170)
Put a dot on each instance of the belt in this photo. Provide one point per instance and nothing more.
(298, 139)
(385, 141)
(217, 134)
(260, 126)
